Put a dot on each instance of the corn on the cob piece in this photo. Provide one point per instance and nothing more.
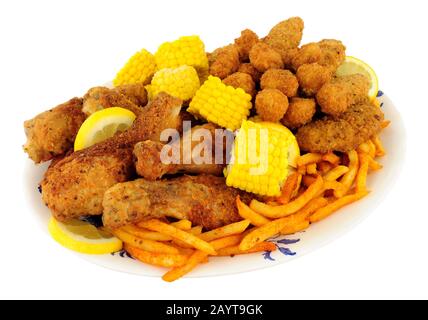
(188, 50)
(181, 82)
(221, 104)
(260, 158)
(139, 69)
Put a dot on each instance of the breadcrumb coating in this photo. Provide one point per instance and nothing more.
(243, 81)
(245, 42)
(283, 80)
(340, 93)
(333, 53)
(263, 57)
(300, 112)
(286, 35)
(271, 104)
(343, 133)
(224, 61)
(248, 68)
(312, 77)
(309, 53)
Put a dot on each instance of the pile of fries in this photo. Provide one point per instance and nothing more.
(322, 184)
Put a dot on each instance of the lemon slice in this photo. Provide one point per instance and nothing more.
(83, 237)
(352, 66)
(102, 125)
(293, 148)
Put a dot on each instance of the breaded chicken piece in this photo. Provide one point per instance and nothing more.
(243, 81)
(283, 80)
(248, 68)
(263, 57)
(300, 112)
(224, 61)
(309, 53)
(312, 77)
(333, 53)
(205, 200)
(286, 35)
(343, 133)
(131, 97)
(337, 95)
(74, 186)
(153, 159)
(288, 56)
(271, 104)
(52, 132)
(245, 42)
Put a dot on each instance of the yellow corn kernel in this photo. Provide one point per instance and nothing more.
(188, 50)
(260, 159)
(221, 104)
(181, 82)
(139, 69)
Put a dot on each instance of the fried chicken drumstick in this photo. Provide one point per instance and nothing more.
(205, 200)
(148, 155)
(74, 185)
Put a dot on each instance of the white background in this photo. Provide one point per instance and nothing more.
(53, 50)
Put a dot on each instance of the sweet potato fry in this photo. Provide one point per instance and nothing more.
(362, 172)
(331, 158)
(297, 187)
(308, 159)
(308, 180)
(363, 148)
(348, 179)
(385, 124)
(297, 227)
(310, 208)
(330, 185)
(144, 244)
(374, 165)
(372, 149)
(247, 213)
(196, 231)
(335, 173)
(380, 150)
(336, 205)
(288, 188)
(293, 206)
(234, 250)
(155, 258)
(311, 168)
(182, 224)
(176, 233)
(324, 167)
(228, 230)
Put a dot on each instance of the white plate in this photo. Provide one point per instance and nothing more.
(290, 247)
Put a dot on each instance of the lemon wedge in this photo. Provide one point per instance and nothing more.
(353, 65)
(102, 125)
(83, 237)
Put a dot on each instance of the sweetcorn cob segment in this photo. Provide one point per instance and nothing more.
(139, 69)
(188, 50)
(221, 104)
(181, 82)
(260, 159)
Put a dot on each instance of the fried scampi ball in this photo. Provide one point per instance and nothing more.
(333, 53)
(283, 80)
(337, 95)
(286, 35)
(224, 61)
(300, 112)
(243, 81)
(248, 68)
(309, 53)
(245, 42)
(312, 77)
(271, 104)
(263, 57)
(343, 133)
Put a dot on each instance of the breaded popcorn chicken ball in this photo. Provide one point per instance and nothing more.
(248, 68)
(245, 42)
(283, 80)
(312, 77)
(263, 57)
(271, 105)
(241, 80)
(309, 53)
(224, 61)
(300, 112)
(333, 53)
(286, 35)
